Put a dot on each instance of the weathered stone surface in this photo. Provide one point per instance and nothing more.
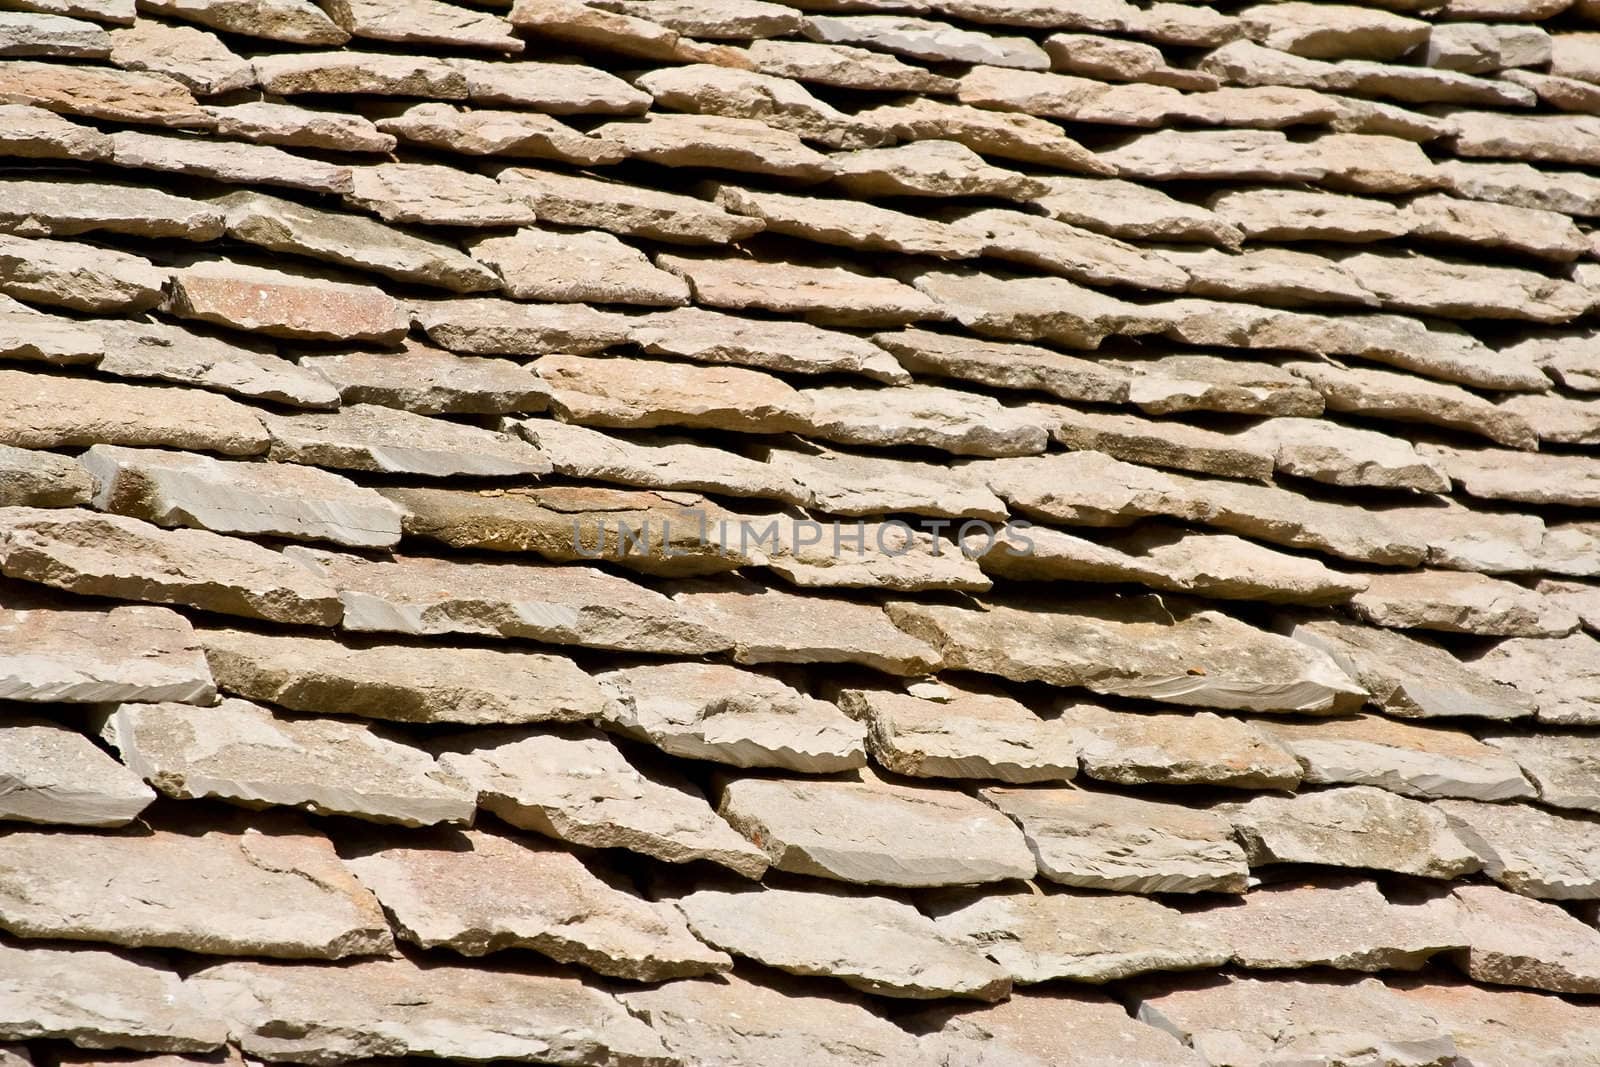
(397, 1007)
(1561, 419)
(1529, 851)
(1324, 31)
(401, 682)
(1033, 308)
(424, 22)
(1156, 444)
(62, 207)
(194, 58)
(352, 241)
(1103, 841)
(885, 556)
(874, 944)
(577, 786)
(710, 711)
(1081, 937)
(1343, 455)
(1560, 678)
(1505, 1027)
(1111, 59)
(248, 755)
(99, 93)
(285, 303)
(967, 424)
(1562, 766)
(367, 73)
(1570, 139)
(719, 142)
(41, 480)
(1246, 63)
(581, 24)
(481, 132)
(847, 223)
(1129, 210)
(1007, 366)
(1065, 96)
(1273, 214)
(1351, 826)
(54, 774)
(538, 264)
(51, 653)
(930, 168)
(640, 394)
(1079, 254)
(1133, 647)
(271, 889)
(1492, 542)
(1478, 48)
(112, 555)
(738, 19)
(1533, 231)
(542, 602)
(873, 832)
(924, 39)
(843, 67)
(101, 999)
(1407, 398)
(990, 133)
(263, 122)
(545, 900)
(962, 734)
(562, 88)
(1198, 748)
(1417, 761)
(777, 345)
(730, 1020)
(293, 21)
(226, 161)
(1564, 94)
(1239, 1019)
(1241, 155)
(773, 97)
(79, 276)
(35, 133)
(1529, 478)
(1168, 385)
(371, 437)
(37, 336)
(24, 33)
(577, 200)
(430, 381)
(180, 489)
(1518, 184)
(1459, 602)
(1049, 1029)
(1465, 290)
(435, 195)
(672, 463)
(1275, 276)
(108, 12)
(238, 366)
(1512, 940)
(504, 327)
(1341, 921)
(827, 292)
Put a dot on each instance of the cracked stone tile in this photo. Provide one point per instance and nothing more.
(264, 122)
(79, 276)
(577, 786)
(430, 381)
(100, 93)
(67, 207)
(489, 327)
(371, 437)
(484, 132)
(292, 21)
(1562, 766)
(536, 264)
(291, 303)
(718, 142)
(1416, 761)
(46, 480)
(1200, 748)
(827, 292)
(843, 67)
(546, 900)
(1530, 851)
(56, 775)
(435, 195)
(640, 394)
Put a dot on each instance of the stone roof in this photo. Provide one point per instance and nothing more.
(916, 533)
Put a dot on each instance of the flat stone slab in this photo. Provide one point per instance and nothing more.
(101, 93)
(1176, 748)
(1526, 478)
(1039, 1028)
(35, 133)
(643, 394)
(870, 831)
(430, 381)
(546, 900)
(617, 207)
(1343, 455)
(264, 122)
(376, 74)
(397, 1007)
(875, 944)
(401, 682)
(559, 604)
(50, 651)
(435, 195)
(424, 22)
(56, 775)
(1103, 841)
(285, 303)
(829, 293)
(248, 755)
(1530, 851)
(54, 412)
(1006, 366)
(1351, 826)
(112, 555)
(849, 483)
(783, 346)
(293, 21)
(254, 499)
(1458, 602)
(962, 734)
(69, 207)
(1080, 937)
(232, 163)
(238, 366)
(718, 142)
(488, 132)
(487, 327)
(598, 268)
(1558, 678)
(1561, 765)
(848, 223)
(1157, 444)
(1133, 647)
(930, 168)
(275, 888)
(722, 714)
(1407, 398)
(80, 277)
(41, 480)
(1514, 940)
(930, 416)
(576, 785)
(1506, 1026)
(372, 437)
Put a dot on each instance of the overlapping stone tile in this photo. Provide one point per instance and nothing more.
(1558, 419)
(36, 133)
(56, 775)
(249, 755)
(1481, 47)
(371, 437)
(1063, 1026)
(41, 479)
(1032, 308)
(484, 132)
(966, 424)
(536, 264)
(999, 134)
(782, 346)
(1417, 761)
(1116, 60)
(229, 162)
(1270, 213)
(1558, 677)
(841, 66)
(741, 20)
(429, 381)
(1129, 210)
(580, 24)
(36, 34)
(712, 90)
(718, 142)
(1513, 940)
(546, 900)
(1173, 384)
(61, 207)
(490, 327)
(435, 195)
(828, 292)
(1345, 455)
(367, 73)
(1134, 748)
(196, 59)
(558, 88)
(289, 303)
(576, 785)
(1495, 474)
(1059, 248)
(1532, 231)
(581, 200)
(1503, 1027)
(291, 21)
(1560, 765)
(1156, 444)
(847, 223)
(927, 40)
(1528, 850)
(1323, 31)
(1521, 185)
(1459, 602)
(80, 277)
(265, 122)
(101, 93)
(1389, 395)
(424, 22)
(849, 483)
(641, 394)
(239, 366)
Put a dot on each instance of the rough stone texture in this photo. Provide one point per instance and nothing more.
(1518, 184)
(713, 90)
(1343, 455)
(263, 122)
(931, 416)
(54, 774)
(1063, 1026)
(1133, 647)
(481, 132)
(503, 327)
(63, 207)
(826, 292)
(575, 200)
(1505, 1027)
(371, 437)
(332, 1014)
(1129, 210)
(647, 393)
(235, 164)
(1528, 850)
(1512, 940)
(1200, 748)
(1352, 826)
(1388, 395)
(102, 999)
(1032, 308)
(545, 900)
(79, 276)
(873, 832)
(425, 22)
(41, 479)
(1156, 444)
(1560, 678)
(1241, 155)
(845, 483)
(1416, 761)
(271, 499)
(351, 241)
(709, 711)
(843, 67)
(1562, 766)
(35, 133)
(793, 347)
(930, 168)
(291, 21)
(1461, 603)
(1323, 31)
(718, 142)
(1527, 478)
(1558, 419)
(1312, 1019)
(561, 88)
(273, 889)
(1478, 48)
(990, 133)
(285, 303)
(874, 944)
(927, 40)
(1007, 366)
(430, 381)
(1059, 248)
(112, 555)
(369, 73)
(596, 267)
(99, 93)
(1276, 276)
(1462, 290)
(956, 733)
(1275, 214)
(576, 785)
(1082, 937)
(51, 652)
(401, 682)
(1104, 841)
(248, 755)
(435, 195)
(1343, 922)
(194, 58)
(1168, 385)
(847, 223)
(1547, 234)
